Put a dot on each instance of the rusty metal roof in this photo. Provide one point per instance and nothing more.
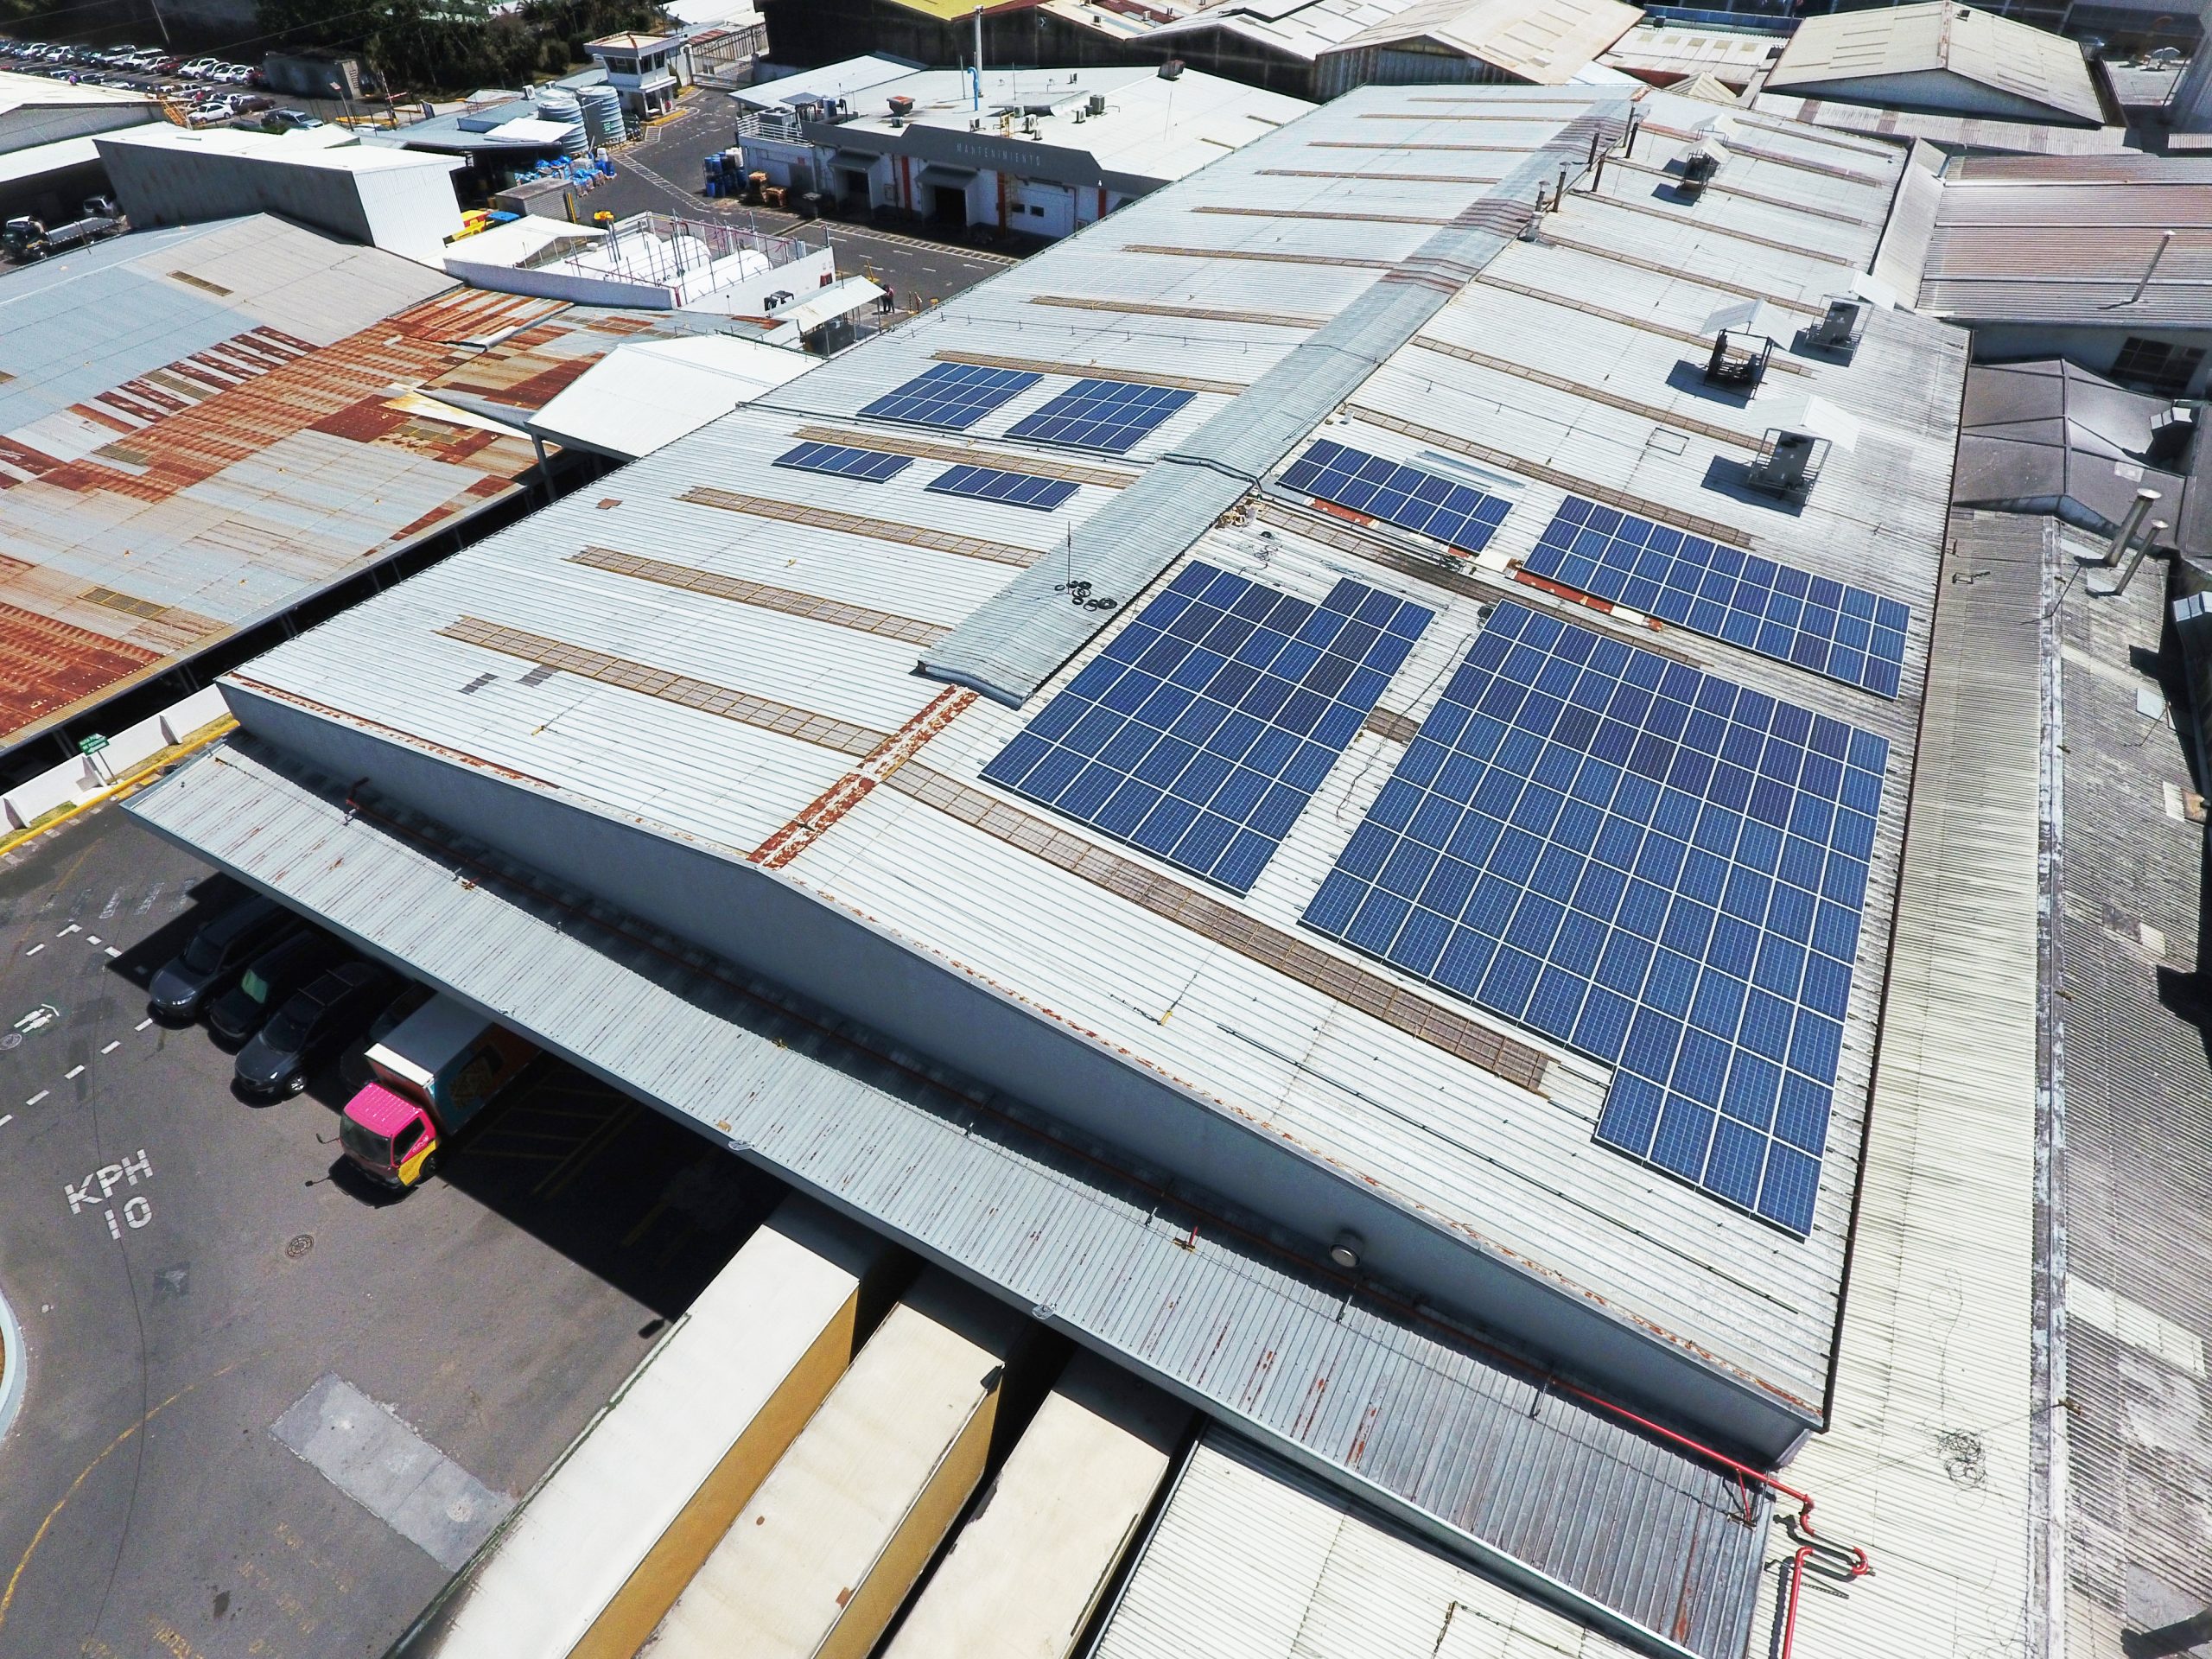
(197, 431)
(2072, 240)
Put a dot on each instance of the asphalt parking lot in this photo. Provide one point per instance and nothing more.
(214, 1321)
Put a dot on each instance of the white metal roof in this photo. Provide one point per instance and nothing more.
(1251, 1559)
(1543, 43)
(24, 91)
(639, 397)
(327, 149)
(1856, 53)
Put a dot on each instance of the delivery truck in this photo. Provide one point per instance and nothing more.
(434, 1075)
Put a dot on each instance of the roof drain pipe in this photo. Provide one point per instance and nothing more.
(1843, 1561)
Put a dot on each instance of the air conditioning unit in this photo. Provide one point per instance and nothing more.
(1789, 462)
(1839, 327)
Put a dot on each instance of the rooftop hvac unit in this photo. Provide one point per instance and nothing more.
(1789, 462)
(901, 106)
(1839, 329)
(1739, 360)
(1172, 70)
(1698, 168)
(1097, 104)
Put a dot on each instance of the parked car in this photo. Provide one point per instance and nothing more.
(313, 1025)
(218, 953)
(264, 987)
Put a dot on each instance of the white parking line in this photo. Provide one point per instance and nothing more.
(112, 951)
(91, 938)
(143, 1024)
(66, 932)
(37, 1098)
(112, 1046)
(6, 1121)
(74, 1070)
(34, 950)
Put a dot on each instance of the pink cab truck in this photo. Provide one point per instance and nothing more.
(437, 1071)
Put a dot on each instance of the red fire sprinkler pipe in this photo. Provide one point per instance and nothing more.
(1856, 1565)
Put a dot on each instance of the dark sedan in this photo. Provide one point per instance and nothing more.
(217, 954)
(264, 987)
(311, 1025)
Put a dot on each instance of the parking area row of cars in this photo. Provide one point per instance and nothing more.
(286, 997)
(123, 66)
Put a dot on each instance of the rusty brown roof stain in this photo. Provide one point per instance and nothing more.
(182, 426)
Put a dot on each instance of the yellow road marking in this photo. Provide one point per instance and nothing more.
(8, 1596)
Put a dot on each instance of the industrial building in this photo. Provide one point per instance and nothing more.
(1041, 151)
(1941, 58)
(206, 427)
(324, 179)
(49, 165)
(2099, 260)
(1319, 48)
(1376, 910)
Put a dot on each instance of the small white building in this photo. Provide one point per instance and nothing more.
(1941, 58)
(649, 262)
(398, 200)
(1042, 152)
(644, 68)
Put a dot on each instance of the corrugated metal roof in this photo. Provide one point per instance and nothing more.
(1568, 373)
(1856, 53)
(2132, 1084)
(1963, 131)
(1929, 1464)
(1561, 1500)
(199, 431)
(1252, 1559)
(2040, 241)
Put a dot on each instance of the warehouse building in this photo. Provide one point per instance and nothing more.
(1374, 912)
(2100, 260)
(1040, 151)
(1319, 48)
(49, 165)
(1944, 58)
(203, 428)
(379, 197)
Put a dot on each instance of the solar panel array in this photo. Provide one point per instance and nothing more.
(1428, 503)
(872, 465)
(1015, 489)
(1650, 865)
(954, 396)
(1202, 730)
(1108, 416)
(1846, 633)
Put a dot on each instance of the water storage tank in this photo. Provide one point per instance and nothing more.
(559, 103)
(602, 108)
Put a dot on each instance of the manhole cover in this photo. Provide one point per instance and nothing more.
(300, 1245)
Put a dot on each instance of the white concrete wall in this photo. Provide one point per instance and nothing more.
(80, 779)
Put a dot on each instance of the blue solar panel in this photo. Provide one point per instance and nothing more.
(1846, 633)
(1649, 864)
(1455, 513)
(951, 395)
(1104, 415)
(871, 464)
(1203, 729)
(1015, 489)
